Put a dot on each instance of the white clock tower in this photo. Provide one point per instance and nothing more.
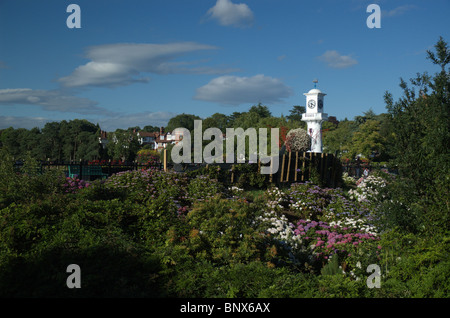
(314, 117)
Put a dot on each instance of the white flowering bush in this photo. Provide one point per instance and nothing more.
(348, 179)
(358, 224)
(281, 229)
(275, 198)
(235, 191)
(367, 189)
(298, 140)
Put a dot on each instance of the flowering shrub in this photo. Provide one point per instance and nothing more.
(104, 162)
(203, 188)
(328, 224)
(326, 240)
(147, 185)
(276, 199)
(167, 227)
(308, 200)
(298, 140)
(221, 231)
(367, 188)
(235, 191)
(72, 185)
(349, 180)
(281, 231)
(148, 157)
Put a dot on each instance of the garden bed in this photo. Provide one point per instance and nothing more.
(149, 233)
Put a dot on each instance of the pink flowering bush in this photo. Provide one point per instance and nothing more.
(73, 185)
(322, 223)
(148, 185)
(326, 241)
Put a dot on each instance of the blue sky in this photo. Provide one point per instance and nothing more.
(137, 63)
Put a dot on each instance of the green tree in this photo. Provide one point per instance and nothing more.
(295, 114)
(339, 140)
(247, 120)
(368, 115)
(123, 145)
(79, 139)
(367, 140)
(150, 128)
(217, 120)
(51, 141)
(10, 142)
(233, 117)
(422, 124)
(261, 110)
(182, 121)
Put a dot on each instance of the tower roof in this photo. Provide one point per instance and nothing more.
(314, 91)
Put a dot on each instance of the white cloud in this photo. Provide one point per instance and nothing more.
(108, 123)
(397, 11)
(231, 14)
(123, 121)
(335, 60)
(123, 63)
(50, 100)
(234, 90)
(22, 122)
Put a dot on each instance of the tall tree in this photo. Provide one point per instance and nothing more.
(150, 128)
(295, 114)
(421, 123)
(367, 140)
(182, 121)
(217, 120)
(51, 141)
(261, 110)
(123, 145)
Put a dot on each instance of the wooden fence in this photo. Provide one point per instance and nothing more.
(293, 167)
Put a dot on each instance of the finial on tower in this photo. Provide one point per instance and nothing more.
(315, 81)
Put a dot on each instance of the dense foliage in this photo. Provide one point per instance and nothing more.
(150, 233)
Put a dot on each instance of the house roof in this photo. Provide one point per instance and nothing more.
(148, 134)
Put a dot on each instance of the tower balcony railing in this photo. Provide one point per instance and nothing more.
(314, 116)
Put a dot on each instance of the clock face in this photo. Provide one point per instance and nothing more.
(312, 103)
(320, 104)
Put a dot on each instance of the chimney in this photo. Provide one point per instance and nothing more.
(161, 131)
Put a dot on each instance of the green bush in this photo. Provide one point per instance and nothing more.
(27, 183)
(251, 280)
(152, 233)
(204, 188)
(220, 231)
(107, 270)
(414, 266)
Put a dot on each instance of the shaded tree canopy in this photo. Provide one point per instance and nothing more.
(182, 121)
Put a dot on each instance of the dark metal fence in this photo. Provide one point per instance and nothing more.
(85, 170)
(293, 167)
(360, 170)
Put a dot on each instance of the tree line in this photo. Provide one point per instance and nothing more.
(78, 139)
